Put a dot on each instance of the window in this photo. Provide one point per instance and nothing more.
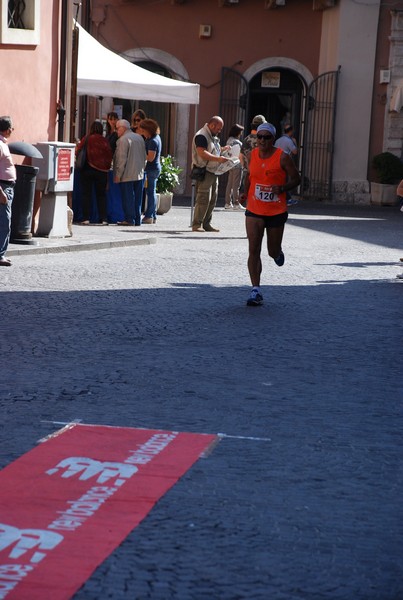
(20, 22)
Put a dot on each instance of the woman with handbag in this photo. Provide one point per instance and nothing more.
(94, 172)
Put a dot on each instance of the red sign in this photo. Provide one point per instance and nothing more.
(69, 502)
(64, 167)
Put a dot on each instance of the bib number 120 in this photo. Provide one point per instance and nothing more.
(264, 193)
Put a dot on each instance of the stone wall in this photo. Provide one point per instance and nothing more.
(351, 192)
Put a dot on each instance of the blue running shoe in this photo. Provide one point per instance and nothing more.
(280, 259)
(255, 298)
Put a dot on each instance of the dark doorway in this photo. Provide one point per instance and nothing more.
(277, 93)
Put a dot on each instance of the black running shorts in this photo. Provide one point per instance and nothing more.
(273, 221)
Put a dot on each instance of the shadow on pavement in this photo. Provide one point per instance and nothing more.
(382, 226)
(315, 372)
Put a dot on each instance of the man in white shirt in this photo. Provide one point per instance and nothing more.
(287, 141)
(8, 176)
(288, 144)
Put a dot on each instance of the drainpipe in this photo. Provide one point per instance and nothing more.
(73, 94)
(61, 112)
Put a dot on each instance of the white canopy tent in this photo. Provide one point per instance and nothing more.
(101, 72)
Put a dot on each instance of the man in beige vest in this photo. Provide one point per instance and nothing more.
(206, 152)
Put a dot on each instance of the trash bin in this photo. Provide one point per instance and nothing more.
(23, 205)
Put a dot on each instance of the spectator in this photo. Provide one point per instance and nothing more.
(111, 133)
(8, 176)
(138, 116)
(94, 174)
(235, 174)
(287, 141)
(148, 128)
(250, 141)
(288, 144)
(206, 152)
(399, 193)
(128, 168)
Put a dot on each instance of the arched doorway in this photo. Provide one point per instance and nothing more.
(277, 93)
(284, 91)
(277, 85)
(274, 87)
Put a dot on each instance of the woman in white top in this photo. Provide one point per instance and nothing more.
(235, 174)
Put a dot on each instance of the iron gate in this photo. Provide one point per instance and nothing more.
(233, 100)
(233, 109)
(318, 141)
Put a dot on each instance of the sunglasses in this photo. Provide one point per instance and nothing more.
(136, 120)
(264, 137)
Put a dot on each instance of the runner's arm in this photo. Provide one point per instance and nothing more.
(293, 177)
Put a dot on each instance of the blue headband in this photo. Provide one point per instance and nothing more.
(267, 127)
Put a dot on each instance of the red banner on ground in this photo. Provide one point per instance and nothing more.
(69, 502)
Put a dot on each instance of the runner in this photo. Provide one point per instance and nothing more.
(271, 174)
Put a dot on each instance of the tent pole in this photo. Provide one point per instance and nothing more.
(192, 202)
(193, 181)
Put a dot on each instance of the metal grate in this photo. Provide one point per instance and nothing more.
(16, 9)
(233, 100)
(233, 108)
(320, 116)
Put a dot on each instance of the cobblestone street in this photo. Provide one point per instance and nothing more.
(302, 497)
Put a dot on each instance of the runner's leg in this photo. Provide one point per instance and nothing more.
(255, 232)
(274, 239)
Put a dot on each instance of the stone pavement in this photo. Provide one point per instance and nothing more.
(92, 237)
(97, 237)
(301, 499)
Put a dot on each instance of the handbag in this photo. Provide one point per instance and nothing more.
(81, 156)
(198, 173)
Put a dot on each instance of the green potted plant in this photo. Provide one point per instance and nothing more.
(167, 182)
(388, 169)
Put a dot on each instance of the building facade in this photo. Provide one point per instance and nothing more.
(314, 63)
(35, 67)
(332, 68)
